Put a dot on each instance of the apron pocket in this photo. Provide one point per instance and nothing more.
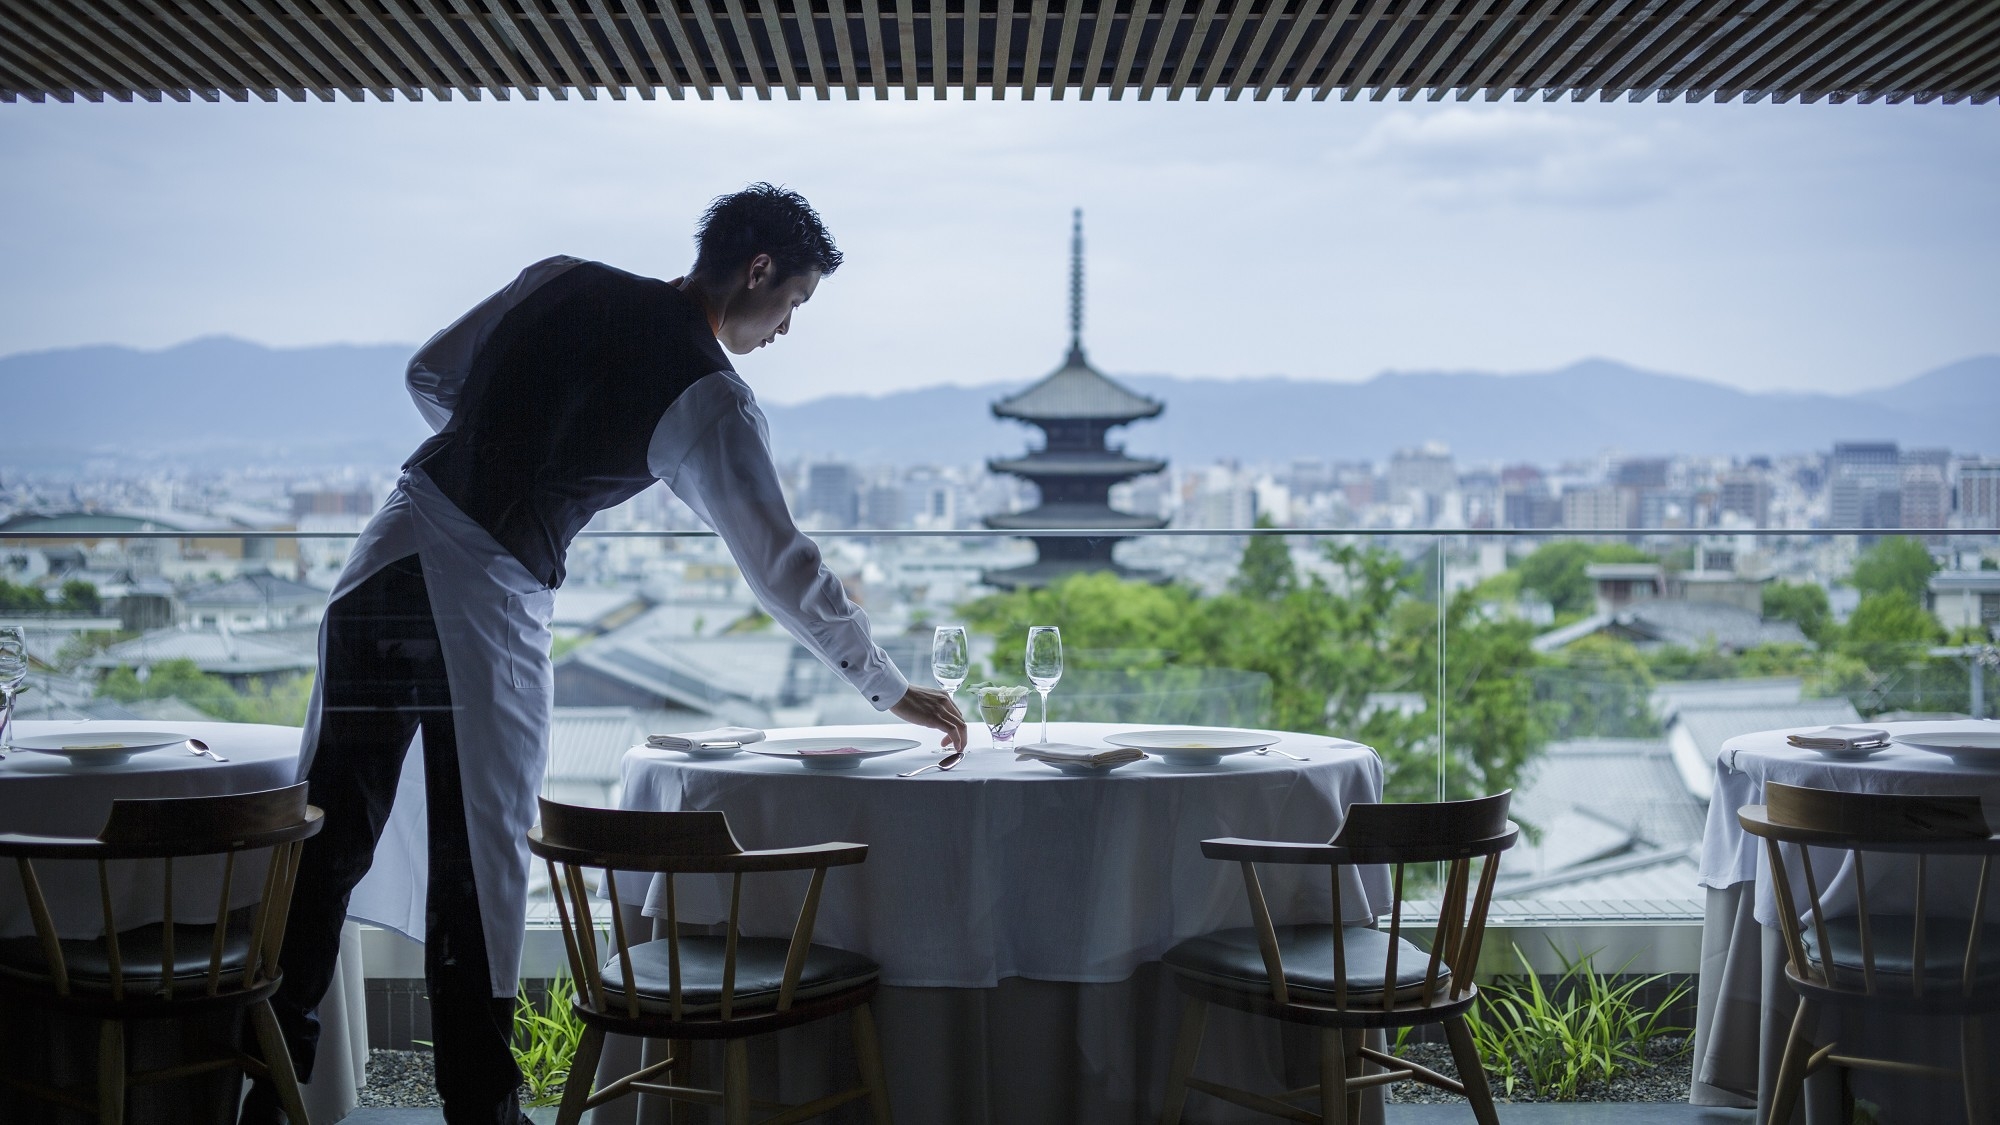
(528, 638)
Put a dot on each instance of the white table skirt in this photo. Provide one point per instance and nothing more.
(1744, 1006)
(44, 794)
(1018, 914)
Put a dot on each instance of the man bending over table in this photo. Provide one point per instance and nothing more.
(568, 392)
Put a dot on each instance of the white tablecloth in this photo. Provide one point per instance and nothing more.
(984, 882)
(41, 793)
(1745, 1007)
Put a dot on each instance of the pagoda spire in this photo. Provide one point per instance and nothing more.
(1076, 287)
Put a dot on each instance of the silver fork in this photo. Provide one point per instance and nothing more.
(200, 750)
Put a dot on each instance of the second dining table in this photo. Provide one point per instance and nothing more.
(1018, 913)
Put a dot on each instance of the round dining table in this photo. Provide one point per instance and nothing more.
(46, 794)
(1018, 913)
(1744, 1007)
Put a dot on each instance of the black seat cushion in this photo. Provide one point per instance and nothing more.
(1231, 958)
(140, 952)
(760, 971)
(1892, 937)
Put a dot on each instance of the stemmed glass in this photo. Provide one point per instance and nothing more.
(13, 670)
(1045, 666)
(950, 657)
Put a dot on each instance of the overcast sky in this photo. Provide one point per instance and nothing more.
(1768, 247)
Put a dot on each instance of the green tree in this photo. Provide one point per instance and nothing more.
(1803, 604)
(1597, 687)
(280, 701)
(1266, 570)
(1556, 571)
(1328, 650)
(1888, 630)
(79, 596)
(1895, 565)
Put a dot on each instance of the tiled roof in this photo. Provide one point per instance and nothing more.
(1077, 391)
(223, 654)
(255, 590)
(1681, 624)
(1612, 815)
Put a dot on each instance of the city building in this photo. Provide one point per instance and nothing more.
(1075, 407)
(1865, 484)
(1597, 509)
(833, 494)
(1979, 494)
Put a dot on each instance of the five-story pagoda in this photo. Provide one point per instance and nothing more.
(1075, 468)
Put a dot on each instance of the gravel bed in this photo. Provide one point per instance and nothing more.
(1665, 1080)
(399, 1078)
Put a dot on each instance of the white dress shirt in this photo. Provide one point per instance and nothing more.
(712, 447)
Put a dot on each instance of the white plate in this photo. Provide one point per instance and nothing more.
(1084, 769)
(1193, 746)
(863, 748)
(712, 753)
(1846, 753)
(99, 747)
(1966, 747)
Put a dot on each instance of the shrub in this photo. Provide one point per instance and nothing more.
(1583, 1030)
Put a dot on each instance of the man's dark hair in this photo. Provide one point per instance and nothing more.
(764, 219)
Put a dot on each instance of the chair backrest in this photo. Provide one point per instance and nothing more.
(169, 829)
(573, 840)
(1923, 827)
(1459, 834)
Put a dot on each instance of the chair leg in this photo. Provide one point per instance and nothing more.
(868, 1052)
(1792, 1068)
(1333, 1077)
(1471, 1073)
(111, 1073)
(582, 1076)
(1187, 1045)
(1972, 1071)
(736, 1083)
(1354, 1069)
(278, 1058)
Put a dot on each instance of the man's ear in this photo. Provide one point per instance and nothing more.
(762, 271)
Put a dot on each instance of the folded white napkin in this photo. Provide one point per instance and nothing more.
(1059, 753)
(685, 742)
(1840, 738)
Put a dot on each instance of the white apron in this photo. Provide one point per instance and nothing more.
(493, 623)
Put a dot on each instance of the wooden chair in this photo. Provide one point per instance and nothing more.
(1931, 962)
(698, 987)
(1343, 979)
(176, 968)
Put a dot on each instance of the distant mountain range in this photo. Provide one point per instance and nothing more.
(221, 401)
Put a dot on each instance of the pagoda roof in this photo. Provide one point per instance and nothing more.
(1064, 516)
(1050, 572)
(1045, 464)
(1076, 390)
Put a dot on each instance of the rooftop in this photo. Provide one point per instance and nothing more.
(1077, 391)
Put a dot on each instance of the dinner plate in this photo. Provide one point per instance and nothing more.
(1966, 747)
(99, 747)
(858, 750)
(711, 753)
(1846, 753)
(1193, 746)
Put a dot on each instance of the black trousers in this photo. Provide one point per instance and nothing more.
(381, 679)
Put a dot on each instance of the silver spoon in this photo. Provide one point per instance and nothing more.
(941, 765)
(1281, 754)
(200, 750)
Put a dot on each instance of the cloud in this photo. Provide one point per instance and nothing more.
(1502, 155)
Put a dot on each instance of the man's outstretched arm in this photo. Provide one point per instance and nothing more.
(712, 451)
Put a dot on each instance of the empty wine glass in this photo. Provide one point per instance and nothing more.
(950, 657)
(1045, 665)
(13, 671)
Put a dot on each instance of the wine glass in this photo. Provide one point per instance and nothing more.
(950, 657)
(13, 671)
(1045, 666)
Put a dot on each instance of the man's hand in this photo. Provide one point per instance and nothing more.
(929, 707)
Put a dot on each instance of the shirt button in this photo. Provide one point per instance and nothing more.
(843, 664)
(874, 699)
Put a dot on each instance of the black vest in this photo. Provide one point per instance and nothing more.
(560, 406)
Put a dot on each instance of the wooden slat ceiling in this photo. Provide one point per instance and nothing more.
(1892, 50)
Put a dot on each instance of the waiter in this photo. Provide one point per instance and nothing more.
(566, 393)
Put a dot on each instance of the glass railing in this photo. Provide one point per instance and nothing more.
(1595, 675)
